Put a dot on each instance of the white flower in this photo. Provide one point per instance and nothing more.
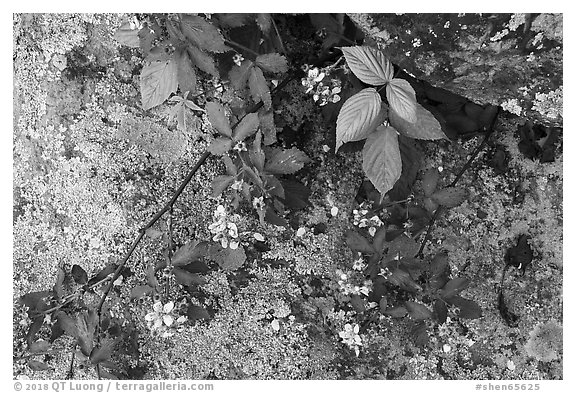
(238, 58)
(258, 203)
(160, 316)
(351, 337)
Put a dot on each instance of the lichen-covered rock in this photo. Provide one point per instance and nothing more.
(513, 60)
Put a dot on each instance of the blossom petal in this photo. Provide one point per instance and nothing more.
(168, 320)
(168, 307)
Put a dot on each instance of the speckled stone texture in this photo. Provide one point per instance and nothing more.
(512, 60)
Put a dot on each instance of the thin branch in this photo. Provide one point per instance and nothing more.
(282, 48)
(242, 47)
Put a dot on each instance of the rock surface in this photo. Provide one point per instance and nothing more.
(511, 60)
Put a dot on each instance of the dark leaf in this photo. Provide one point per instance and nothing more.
(379, 241)
(186, 73)
(139, 291)
(85, 335)
(402, 100)
(231, 169)
(396, 312)
(79, 275)
(158, 80)
(257, 156)
(520, 255)
(37, 366)
(217, 117)
(267, 126)
(420, 334)
(272, 62)
(402, 279)
(56, 331)
(359, 117)
(369, 65)
(259, 88)
(440, 311)
(383, 304)
(381, 161)
(439, 271)
(247, 126)
(417, 310)
(274, 218)
(450, 196)
(67, 323)
(430, 181)
(358, 303)
(102, 274)
(195, 313)
(468, 309)
(220, 146)
(234, 20)
(145, 38)
(186, 278)
(285, 162)
(221, 183)
(357, 242)
(61, 275)
(273, 186)
(296, 194)
(454, 287)
(203, 34)
(203, 61)
(151, 277)
(509, 317)
(34, 329)
(402, 246)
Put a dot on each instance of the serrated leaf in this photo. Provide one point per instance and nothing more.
(369, 64)
(403, 280)
(79, 275)
(264, 22)
(157, 81)
(454, 287)
(382, 162)
(357, 242)
(231, 169)
(468, 309)
(203, 34)
(146, 36)
(35, 365)
(285, 162)
(450, 196)
(186, 278)
(417, 310)
(272, 62)
(186, 73)
(195, 313)
(420, 334)
(402, 99)
(439, 271)
(297, 195)
(403, 246)
(229, 259)
(233, 20)
(221, 183)
(127, 34)
(358, 303)
(220, 146)
(203, 61)
(259, 88)
(247, 126)
(358, 117)
(426, 126)
(189, 252)
(380, 239)
(217, 117)
(430, 181)
(396, 312)
(139, 291)
(239, 75)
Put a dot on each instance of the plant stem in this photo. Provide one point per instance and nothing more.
(282, 48)
(242, 47)
(489, 131)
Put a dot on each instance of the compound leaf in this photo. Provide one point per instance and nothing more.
(239, 75)
(220, 146)
(402, 99)
(127, 34)
(358, 117)
(203, 34)
(369, 64)
(417, 310)
(158, 80)
(426, 126)
(381, 159)
(221, 183)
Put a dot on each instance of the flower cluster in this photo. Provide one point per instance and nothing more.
(322, 90)
(225, 232)
(348, 288)
(372, 223)
(161, 319)
(351, 337)
(238, 59)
